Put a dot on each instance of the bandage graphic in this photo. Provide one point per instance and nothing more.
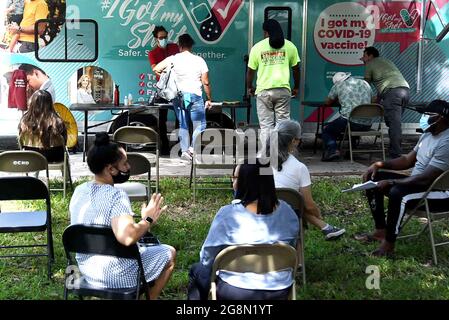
(406, 18)
(211, 19)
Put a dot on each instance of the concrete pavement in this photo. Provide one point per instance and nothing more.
(175, 167)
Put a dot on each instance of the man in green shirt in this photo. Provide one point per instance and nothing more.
(393, 93)
(273, 58)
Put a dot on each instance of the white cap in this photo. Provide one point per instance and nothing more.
(340, 76)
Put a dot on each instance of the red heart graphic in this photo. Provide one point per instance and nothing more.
(142, 76)
(142, 84)
(225, 11)
(141, 92)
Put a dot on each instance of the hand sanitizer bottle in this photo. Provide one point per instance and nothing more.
(130, 99)
(126, 101)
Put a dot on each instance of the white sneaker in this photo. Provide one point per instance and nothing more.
(186, 156)
(333, 232)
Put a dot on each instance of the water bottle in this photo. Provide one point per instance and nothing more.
(116, 95)
(130, 99)
(126, 102)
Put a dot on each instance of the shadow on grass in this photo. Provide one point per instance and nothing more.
(335, 269)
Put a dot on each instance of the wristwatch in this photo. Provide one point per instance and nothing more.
(149, 220)
(20, 29)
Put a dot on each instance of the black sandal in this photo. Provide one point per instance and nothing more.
(366, 237)
(381, 253)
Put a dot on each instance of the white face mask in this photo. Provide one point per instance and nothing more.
(163, 43)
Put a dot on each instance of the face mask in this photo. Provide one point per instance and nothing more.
(427, 122)
(432, 121)
(163, 43)
(121, 177)
(424, 122)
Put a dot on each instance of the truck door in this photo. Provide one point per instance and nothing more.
(288, 14)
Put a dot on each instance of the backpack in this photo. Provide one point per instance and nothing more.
(166, 87)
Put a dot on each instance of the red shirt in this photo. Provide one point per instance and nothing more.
(17, 97)
(158, 54)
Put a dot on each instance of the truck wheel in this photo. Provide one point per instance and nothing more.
(217, 120)
(143, 120)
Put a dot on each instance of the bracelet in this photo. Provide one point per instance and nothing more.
(20, 29)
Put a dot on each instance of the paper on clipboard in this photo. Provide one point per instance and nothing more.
(362, 186)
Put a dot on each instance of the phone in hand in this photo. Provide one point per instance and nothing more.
(149, 239)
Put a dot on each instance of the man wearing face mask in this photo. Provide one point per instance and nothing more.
(162, 50)
(429, 159)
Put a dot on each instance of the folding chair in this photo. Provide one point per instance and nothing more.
(367, 111)
(24, 161)
(142, 136)
(438, 189)
(99, 240)
(296, 201)
(26, 188)
(137, 191)
(63, 166)
(216, 149)
(258, 258)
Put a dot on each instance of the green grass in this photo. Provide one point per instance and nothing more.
(335, 270)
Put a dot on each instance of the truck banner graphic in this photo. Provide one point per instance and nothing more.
(211, 22)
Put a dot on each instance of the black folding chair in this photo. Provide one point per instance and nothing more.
(26, 188)
(95, 239)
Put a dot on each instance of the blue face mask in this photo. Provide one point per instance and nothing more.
(424, 122)
(431, 121)
(163, 43)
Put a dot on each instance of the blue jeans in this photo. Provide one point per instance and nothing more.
(190, 111)
(333, 129)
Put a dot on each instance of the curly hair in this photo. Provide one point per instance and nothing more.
(41, 120)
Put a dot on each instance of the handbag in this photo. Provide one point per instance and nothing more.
(166, 87)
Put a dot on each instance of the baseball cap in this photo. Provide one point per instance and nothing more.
(440, 107)
(340, 76)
